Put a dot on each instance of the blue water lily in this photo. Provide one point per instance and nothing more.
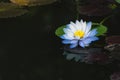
(79, 34)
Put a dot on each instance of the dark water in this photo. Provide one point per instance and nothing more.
(29, 49)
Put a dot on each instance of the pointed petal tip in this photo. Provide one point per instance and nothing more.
(89, 23)
(77, 21)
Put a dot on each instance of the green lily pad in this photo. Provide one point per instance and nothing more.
(60, 31)
(101, 29)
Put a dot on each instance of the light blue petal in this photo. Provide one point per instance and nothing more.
(62, 37)
(88, 40)
(92, 33)
(94, 38)
(69, 41)
(74, 41)
(81, 44)
(73, 45)
(66, 41)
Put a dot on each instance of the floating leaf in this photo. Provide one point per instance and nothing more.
(11, 10)
(101, 29)
(60, 31)
(32, 2)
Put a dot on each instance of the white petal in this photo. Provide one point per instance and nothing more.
(70, 34)
(72, 28)
(78, 25)
(83, 26)
(77, 37)
(73, 24)
(81, 21)
(67, 30)
(67, 37)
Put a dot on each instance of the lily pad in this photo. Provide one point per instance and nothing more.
(11, 10)
(32, 2)
(60, 31)
(101, 29)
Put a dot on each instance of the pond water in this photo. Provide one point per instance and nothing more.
(29, 49)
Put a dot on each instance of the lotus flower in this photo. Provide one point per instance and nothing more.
(79, 34)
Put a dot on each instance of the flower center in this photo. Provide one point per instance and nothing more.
(79, 33)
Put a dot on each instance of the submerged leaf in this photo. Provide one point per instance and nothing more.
(10, 10)
(32, 2)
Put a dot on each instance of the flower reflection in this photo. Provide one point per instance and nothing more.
(79, 33)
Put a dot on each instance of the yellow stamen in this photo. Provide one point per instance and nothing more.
(79, 33)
